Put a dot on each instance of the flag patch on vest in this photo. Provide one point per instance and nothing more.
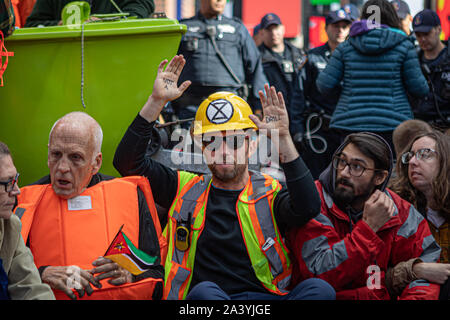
(123, 252)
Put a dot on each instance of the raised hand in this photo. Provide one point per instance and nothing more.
(165, 88)
(275, 116)
(276, 123)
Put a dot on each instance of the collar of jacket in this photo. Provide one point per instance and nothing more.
(338, 213)
(267, 55)
(200, 16)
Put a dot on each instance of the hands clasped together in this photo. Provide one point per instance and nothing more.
(67, 278)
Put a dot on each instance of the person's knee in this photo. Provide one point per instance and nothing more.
(314, 289)
(207, 290)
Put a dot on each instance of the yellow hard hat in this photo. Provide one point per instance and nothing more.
(223, 111)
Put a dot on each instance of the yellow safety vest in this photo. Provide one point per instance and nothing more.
(266, 249)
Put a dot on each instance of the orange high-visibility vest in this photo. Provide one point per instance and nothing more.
(265, 246)
(77, 231)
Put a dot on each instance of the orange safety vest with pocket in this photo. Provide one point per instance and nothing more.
(265, 247)
(77, 231)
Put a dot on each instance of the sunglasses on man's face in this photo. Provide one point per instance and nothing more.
(215, 142)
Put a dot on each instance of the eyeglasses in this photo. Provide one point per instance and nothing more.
(355, 169)
(10, 184)
(233, 141)
(423, 154)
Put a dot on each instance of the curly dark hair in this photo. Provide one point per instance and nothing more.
(440, 185)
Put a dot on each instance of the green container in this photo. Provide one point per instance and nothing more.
(43, 82)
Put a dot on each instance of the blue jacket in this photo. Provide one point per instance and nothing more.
(377, 67)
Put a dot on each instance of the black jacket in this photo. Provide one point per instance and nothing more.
(7, 18)
(437, 74)
(285, 77)
(48, 12)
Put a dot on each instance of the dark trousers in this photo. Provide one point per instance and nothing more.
(310, 289)
(445, 291)
(4, 295)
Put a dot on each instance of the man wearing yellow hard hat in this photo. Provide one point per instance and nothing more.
(225, 230)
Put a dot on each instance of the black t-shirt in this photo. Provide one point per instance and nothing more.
(221, 256)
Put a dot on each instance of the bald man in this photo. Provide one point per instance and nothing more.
(70, 217)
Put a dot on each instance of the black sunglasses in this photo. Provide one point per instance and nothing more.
(233, 141)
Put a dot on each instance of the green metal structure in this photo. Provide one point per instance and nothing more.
(118, 62)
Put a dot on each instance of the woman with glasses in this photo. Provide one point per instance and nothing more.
(19, 277)
(423, 173)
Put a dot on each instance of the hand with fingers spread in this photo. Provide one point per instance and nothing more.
(276, 123)
(66, 278)
(378, 209)
(275, 116)
(165, 88)
(109, 269)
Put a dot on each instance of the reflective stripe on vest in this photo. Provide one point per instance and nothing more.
(268, 255)
(61, 236)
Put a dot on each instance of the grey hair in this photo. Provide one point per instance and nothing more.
(83, 119)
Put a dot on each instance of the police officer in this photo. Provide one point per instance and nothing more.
(317, 152)
(221, 56)
(281, 60)
(434, 58)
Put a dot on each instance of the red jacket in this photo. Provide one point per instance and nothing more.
(333, 248)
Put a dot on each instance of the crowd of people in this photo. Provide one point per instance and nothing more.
(363, 211)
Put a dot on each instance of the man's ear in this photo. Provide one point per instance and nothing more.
(97, 163)
(380, 177)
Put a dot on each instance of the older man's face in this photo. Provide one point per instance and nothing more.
(71, 160)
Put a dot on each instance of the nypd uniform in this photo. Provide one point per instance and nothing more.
(435, 107)
(283, 72)
(208, 72)
(437, 73)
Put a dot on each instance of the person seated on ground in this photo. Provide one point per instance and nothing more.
(225, 229)
(48, 12)
(71, 216)
(424, 180)
(403, 133)
(363, 227)
(19, 277)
